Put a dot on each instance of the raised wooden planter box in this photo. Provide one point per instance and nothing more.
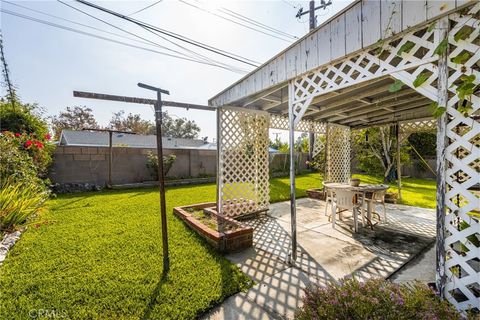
(235, 237)
(316, 194)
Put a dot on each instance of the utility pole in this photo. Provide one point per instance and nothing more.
(313, 24)
(161, 177)
(311, 12)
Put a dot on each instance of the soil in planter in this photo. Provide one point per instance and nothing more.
(209, 220)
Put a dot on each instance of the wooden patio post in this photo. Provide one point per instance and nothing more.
(442, 86)
(110, 158)
(399, 161)
(219, 165)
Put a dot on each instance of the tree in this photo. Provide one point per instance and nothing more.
(12, 95)
(22, 117)
(73, 118)
(177, 128)
(279, 145)
(301, 144)
(375, 150)
(424, 142)
(132, 122)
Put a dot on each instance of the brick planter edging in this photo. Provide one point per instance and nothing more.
(227, 241)
(316, 194)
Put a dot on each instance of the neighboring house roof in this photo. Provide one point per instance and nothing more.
(100, 139)
(213, 146)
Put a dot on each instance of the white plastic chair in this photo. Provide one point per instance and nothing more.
(329, 197)
(378, 198)
(344, 199)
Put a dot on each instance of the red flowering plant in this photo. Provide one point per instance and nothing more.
(38, 148)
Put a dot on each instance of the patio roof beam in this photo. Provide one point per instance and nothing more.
(392, 118)
(331, 107)
(264, 96)
(378, 100)
(386, 107)
(372, 116)
(336, 94)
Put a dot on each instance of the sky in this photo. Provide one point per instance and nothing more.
(46, 64)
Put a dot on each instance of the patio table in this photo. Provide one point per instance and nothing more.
(361, 189)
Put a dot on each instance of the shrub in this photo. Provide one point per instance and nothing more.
(18, 202)
(23, 128)
(374, 299)
(16, 164)
(152, 163)
(38, 149)
(22, 118)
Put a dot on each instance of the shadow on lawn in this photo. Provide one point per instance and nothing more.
(154, 296)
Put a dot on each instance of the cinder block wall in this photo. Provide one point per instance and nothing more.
(90, 164)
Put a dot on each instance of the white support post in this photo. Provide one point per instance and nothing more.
(399, 161)
(219, 165)
(442, 86)
(291, 135)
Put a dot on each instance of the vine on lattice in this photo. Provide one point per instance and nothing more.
(462, 242)
(413, 50)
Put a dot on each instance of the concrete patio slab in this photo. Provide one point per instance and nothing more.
(241, 308)
(258, 264)
(281, 294)
(325, 254)
(339, 258)
(421, 268)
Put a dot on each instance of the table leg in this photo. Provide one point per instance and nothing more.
(363, 210)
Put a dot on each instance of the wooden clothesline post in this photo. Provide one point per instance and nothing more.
(158, 122)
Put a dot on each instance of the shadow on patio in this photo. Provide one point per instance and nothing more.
(324, 254)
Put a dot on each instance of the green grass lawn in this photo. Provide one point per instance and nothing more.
(99, 255)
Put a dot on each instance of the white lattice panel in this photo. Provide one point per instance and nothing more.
(406, 128)
(368, 65)
(243, 161)
(281, 122)
(462, 267)
(318, 145)
(338, 153)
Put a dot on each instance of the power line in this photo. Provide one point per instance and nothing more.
(233, 21)
(198, 56)
(121, 36)
(255, 22)
(173, 35)
(116, 27)
(204, 58)
(112, 40)
(145, 8)
(77, 23)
